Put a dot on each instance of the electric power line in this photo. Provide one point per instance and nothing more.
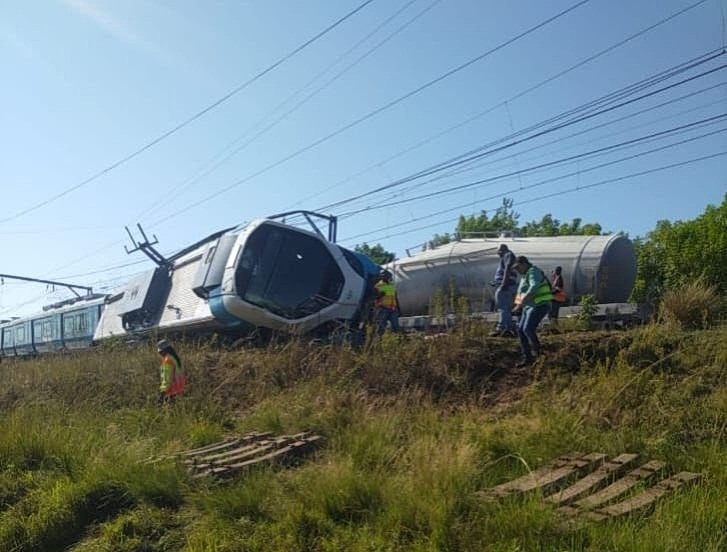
(376, 111)
(494, 146)
(534, 185)
(189, 120)
(489, 162)
(570, 190)
(549, 164)
(511, 99)
(236, 146)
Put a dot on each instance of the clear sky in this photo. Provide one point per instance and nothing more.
(84, 83)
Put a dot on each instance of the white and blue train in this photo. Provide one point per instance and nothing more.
(271, 275)
(265, 274)
(64, 326)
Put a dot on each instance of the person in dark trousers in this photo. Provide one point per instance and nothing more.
(535, 298)
(173, 381)
(386, 303)
(505, 286)
(559, 297)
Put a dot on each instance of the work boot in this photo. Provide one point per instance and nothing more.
(525, 361)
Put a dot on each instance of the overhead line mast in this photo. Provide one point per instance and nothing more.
(72, 287)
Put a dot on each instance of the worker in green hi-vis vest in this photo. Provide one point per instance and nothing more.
(535, 297)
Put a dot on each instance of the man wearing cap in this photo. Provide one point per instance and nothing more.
(536, 295)
(173, 381)
(505, 285)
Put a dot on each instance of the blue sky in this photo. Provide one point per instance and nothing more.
(86, 82)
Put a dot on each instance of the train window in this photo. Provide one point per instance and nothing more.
(69, 325)
(46, 331)
(20, 334)
(82, 322)
(288, 273)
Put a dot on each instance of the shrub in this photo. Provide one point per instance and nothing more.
(588, 309)
(695, 305)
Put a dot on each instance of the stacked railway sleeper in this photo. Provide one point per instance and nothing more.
(593, 487)
(234, 457)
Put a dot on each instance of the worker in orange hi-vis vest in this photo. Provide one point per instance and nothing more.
(173, 381)
(559, 296)
(386, 303)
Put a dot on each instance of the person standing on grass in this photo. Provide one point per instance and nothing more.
(171, 373)
(505, 285)
(536, 296)
(386, 303)
(559, 297)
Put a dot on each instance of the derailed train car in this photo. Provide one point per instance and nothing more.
(265, 274)
(602, 266)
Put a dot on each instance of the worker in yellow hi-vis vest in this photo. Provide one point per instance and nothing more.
(386, 303)
(173, 381)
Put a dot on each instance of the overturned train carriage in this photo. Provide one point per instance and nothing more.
(265, 274)
(602, 266)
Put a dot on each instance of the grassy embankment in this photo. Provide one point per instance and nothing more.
(413, 429)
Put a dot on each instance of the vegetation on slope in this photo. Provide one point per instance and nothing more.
(413, 429)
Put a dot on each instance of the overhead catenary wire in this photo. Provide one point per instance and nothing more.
(375, 112)
(560, 192)
(549, 164)
(188, 120)
(489, 162)
(247, 138)
(502, 143)
(536, 184)
(517, 96)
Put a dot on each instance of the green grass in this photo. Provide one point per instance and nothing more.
(413, 429)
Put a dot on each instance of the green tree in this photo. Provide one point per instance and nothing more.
(550, 226)
(440, 239)
(681, 252)
(377, 253)
(504, 219)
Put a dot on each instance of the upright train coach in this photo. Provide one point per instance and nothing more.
(269, 274)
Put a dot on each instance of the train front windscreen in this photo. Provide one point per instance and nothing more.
(287, 272)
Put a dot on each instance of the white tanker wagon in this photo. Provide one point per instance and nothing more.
(602, 266)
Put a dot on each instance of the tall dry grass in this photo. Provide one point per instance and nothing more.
(413, 428)
(695, 305)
